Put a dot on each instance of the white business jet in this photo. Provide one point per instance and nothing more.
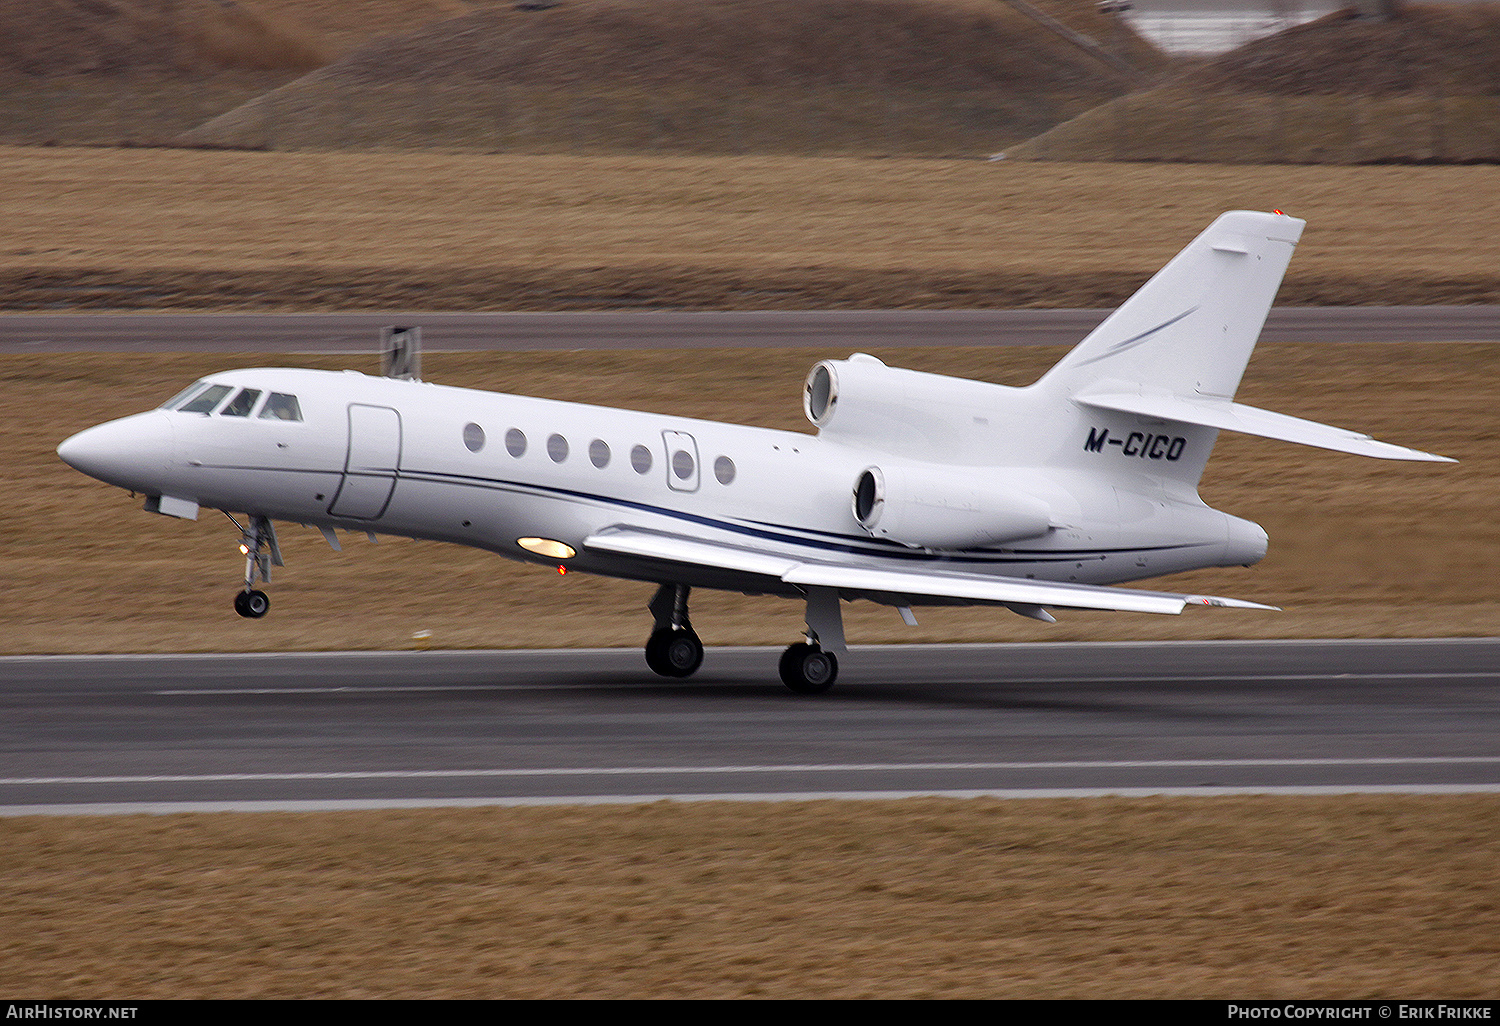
(917, 489)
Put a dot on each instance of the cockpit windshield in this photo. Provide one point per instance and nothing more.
(207, 400)
(281, 406)
(171, 404)
(242, 404)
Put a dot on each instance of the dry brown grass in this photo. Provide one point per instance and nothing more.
(1359, 547)
(1360, 897)
(150, 228)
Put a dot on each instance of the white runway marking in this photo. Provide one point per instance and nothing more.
(1092, 679)
(869, 767)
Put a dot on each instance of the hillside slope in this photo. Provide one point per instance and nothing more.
(701, 75)
(1423, 88)
(181, 38)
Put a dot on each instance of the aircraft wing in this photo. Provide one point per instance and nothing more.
(901, 586)
(1251, 420)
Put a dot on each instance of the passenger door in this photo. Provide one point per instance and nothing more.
(370, 469)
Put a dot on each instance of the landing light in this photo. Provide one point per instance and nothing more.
(548, 547)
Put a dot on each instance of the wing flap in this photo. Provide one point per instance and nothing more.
(1251, 420)
(1008, 591)
(678, 549)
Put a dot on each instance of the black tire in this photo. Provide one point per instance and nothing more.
(257, 604)
(807, 669)
(239, 603)
(674, 654)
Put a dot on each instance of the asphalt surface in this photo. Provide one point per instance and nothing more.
(332, 730)
(839, 329)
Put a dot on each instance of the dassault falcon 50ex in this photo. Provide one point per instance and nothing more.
(918, 489)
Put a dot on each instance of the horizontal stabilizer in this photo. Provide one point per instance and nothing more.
(1250, 420)
(904, 585)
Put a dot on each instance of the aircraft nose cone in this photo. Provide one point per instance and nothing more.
(131, 453)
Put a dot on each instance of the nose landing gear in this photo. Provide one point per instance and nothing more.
(258, 543)
(253, 604)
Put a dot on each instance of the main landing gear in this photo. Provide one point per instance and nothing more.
(673, 649)
(809, 667)
(258, 543)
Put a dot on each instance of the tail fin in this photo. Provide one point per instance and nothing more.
(1176, 350)
(1190, 329)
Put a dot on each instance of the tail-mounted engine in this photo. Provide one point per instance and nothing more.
(928, 495)
(944, 508)
(926, 416)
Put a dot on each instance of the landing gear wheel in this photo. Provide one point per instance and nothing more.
(674, 653)
(807, 669)
(252, 604)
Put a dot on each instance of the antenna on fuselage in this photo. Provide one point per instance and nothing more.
(401, 353)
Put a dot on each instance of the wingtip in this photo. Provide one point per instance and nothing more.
(1228, 603)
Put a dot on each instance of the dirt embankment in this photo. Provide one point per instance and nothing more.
(1422, 88)
(735, 76)
(138, 72)
(185, 39)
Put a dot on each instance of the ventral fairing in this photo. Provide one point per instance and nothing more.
(918, 489)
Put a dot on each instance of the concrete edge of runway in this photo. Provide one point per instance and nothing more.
(384, 804)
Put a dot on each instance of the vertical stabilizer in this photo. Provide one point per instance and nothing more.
(1189, 330)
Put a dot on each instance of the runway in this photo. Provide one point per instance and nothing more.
(836, 329)
(361, 730)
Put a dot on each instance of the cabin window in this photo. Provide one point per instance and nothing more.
(640, 459)
(206, 402)
(515, 442)
(473, 437)
(599, 453)
(724, 469)
(682, 464)
(242, 404)
(557, 448)
(180, 397)
(281, 406)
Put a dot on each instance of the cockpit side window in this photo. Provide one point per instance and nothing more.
(182, 396)
(281, 406)
(206, 402)
(242, 404)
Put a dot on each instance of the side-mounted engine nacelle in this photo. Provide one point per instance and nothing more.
(942, 507)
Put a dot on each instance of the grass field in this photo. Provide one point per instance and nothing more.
(139, 229)
(1344, 897)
